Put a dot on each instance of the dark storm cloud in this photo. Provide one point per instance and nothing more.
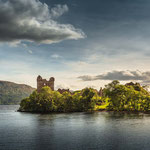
(32, 20)
(119, 75)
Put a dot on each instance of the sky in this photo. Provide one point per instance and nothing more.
(80, 43)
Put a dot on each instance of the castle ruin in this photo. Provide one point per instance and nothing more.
(43, 82)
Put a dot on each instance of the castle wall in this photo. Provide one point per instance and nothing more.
(61, 91)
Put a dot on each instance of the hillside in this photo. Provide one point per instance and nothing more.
(12, 93)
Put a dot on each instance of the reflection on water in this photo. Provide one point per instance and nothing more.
(73, 131)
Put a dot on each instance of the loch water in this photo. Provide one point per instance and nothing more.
(73, 131)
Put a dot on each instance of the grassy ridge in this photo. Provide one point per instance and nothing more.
(12, 93)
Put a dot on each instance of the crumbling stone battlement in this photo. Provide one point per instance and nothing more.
(63, 90)
(43, 82)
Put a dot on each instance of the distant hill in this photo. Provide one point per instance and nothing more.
(12, 93)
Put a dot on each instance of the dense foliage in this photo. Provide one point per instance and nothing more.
(12, 93)
(52, 101)
(129, 97)
(116, 97)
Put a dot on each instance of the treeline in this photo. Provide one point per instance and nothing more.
(52, 101)
(129, 97)
(116, 97)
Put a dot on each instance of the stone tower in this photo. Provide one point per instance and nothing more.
(43, 82)
(101, 92)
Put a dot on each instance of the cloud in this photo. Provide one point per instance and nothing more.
(56, 56)
(62, 86)
(30, 51)
(119, 75)
(32, 20)
(58, 10)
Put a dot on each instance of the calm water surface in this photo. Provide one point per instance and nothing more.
(74, 131)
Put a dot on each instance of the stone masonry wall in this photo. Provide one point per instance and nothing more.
(43, 82)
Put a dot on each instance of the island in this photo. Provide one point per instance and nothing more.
(131, 97)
